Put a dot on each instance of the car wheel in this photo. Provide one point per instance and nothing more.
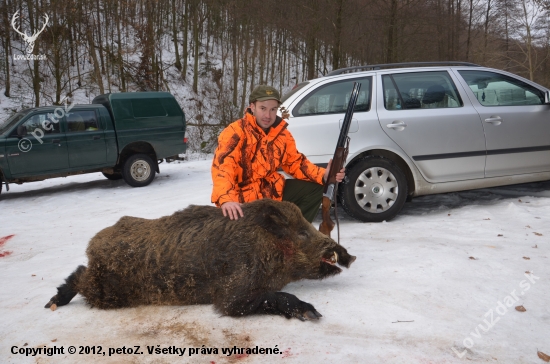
(375, 189)
(138, 170)
(114, 176)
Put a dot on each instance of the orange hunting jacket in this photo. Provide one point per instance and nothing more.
(246, 161)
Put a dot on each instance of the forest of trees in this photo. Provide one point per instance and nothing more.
(224, 48)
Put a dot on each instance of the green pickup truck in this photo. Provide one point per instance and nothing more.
(124, 135)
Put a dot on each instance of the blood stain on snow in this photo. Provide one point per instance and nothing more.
(3, 241)
(287, 353)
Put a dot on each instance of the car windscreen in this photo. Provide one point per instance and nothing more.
(293, 91)
(6, 124)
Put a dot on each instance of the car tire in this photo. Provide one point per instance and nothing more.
(113, 176)
(374, 190)
(138, 170)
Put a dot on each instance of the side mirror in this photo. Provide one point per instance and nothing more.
(546, 97)
(21, 131)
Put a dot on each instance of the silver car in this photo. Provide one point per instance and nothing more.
(423, 130)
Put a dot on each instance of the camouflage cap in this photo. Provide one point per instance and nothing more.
(263, 93)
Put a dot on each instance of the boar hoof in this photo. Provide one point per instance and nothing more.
(309, 315)
(291, 306)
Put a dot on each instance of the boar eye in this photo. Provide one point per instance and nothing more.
(303, 235)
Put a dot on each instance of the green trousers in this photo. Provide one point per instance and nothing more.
(306, 195)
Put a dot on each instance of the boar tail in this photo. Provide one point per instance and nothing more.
(67, 291)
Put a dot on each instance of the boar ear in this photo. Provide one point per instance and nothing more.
(274, 221)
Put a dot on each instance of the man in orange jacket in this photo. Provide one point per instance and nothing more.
(249, 153)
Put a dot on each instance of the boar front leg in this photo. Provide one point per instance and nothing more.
(270, 303)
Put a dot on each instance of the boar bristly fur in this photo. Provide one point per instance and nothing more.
(198, 256)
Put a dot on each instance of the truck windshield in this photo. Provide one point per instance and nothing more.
(5, 125)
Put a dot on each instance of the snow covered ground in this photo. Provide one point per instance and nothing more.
(438, 284)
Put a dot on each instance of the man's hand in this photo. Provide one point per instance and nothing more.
(232, 209)
(339, 176)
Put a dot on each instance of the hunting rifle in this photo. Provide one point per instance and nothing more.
(338, 160)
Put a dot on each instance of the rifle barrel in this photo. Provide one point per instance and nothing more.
(349, 114)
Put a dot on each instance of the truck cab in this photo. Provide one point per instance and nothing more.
(123, 135)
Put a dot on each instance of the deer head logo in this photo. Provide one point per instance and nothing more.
(29, 39)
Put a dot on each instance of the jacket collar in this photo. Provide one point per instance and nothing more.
(278, 126)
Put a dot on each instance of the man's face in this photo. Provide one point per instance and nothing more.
(265, 112)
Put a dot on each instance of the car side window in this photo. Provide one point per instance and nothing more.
(82, 121)
(333, 98)
(495, 89)
(420, 90)
(42, 122)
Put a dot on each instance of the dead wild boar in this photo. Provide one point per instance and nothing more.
(198, 256)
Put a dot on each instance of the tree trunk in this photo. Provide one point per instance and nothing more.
(392, 31)
(177, 64)
(120, 60)
(528, 40)
(7, 45)
(262, 57)
(486, 31)
(185, 51)
(469, 30)
(457, 29)
(246, 46)
(109, 43)
(196, 41)
(56, 44)
(257, 38)
(507, 31)
(95, 62)
(310, 56)
(35, 71)
(100, 38)
(337, 36)
(235, 60)
(450, 29)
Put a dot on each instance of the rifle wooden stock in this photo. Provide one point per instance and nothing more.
(327, 224)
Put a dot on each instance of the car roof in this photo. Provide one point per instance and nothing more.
(369, 70)
(412, 65)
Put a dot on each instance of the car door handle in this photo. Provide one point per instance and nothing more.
(96, 137)
(56, 141)
(397, 125)
(495, 120)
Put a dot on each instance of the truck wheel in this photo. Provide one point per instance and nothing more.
(375, 189)
(113, 177)
(138, 170)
